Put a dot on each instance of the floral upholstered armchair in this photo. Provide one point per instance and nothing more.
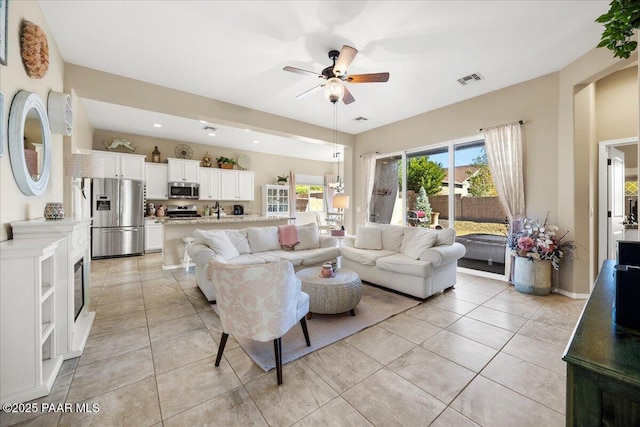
(260, 302)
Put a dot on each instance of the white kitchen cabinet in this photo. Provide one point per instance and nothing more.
(153, 235)
(156, 180)
(236, 185)
(29, 361)
(275, 200)
(122, 165)
(182, 170)
(210, 184)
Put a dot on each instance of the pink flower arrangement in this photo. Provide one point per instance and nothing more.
(540, 242)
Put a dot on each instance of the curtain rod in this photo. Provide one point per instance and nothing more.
(519, 121)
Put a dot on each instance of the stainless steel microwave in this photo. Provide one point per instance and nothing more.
(184, 190)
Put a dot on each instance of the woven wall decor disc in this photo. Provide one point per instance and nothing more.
(34, 50)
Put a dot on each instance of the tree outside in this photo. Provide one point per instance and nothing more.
(481, 181)
(422, 172)
(422, 203)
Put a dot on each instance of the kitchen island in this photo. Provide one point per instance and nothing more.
(175, 229)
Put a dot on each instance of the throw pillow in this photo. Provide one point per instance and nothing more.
(409, 233)
(220, 243)
(423, 240)
(392, 236)
(263, 239)
(308, 236)
(239, 240)
(368, 238)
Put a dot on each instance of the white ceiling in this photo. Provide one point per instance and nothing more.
(234, 51)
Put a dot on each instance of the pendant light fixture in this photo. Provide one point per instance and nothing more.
(334, 91)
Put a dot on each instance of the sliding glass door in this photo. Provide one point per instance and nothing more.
(479, 219)
(445, 186)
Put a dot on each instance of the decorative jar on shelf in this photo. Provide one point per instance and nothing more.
(54, 210)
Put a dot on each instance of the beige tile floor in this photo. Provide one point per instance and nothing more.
(480, 354)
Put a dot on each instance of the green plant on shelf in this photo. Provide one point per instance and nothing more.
(226, 160)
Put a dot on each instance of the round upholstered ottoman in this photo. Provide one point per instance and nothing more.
(337, 294)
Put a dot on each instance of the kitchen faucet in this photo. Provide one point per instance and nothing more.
(216, 207)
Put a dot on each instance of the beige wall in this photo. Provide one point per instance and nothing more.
(574, 174)
(617, 105)
(14, 205)
(267, 167)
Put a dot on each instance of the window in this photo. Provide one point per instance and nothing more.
(309, 198)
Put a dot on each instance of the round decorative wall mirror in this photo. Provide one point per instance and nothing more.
(29, 143)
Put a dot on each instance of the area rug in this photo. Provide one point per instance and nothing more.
(375, 306)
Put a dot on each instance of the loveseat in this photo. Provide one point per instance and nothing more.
(257, 245)
(413, 260)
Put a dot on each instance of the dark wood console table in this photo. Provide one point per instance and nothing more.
(603, 363)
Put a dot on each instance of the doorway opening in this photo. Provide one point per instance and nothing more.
(617, 195)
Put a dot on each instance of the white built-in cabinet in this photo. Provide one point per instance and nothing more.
(73, 260)
(210, 183)
(236, 185)
(29, 361)
(182, 170)
(275, 200)
(156, 180)
(122, 165)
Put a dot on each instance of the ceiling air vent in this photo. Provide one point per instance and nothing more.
(360, 119)
(470, 79)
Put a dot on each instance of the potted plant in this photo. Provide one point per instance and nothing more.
(225, 162)
(537, 248)
(282, 180)
(620, 23)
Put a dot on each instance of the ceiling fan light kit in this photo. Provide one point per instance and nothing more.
(334, 90)
(336, 74)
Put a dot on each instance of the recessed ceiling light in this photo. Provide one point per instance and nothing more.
(203, 121)
(256, 142)
(211, 134)
(247, 130)
(157, 125)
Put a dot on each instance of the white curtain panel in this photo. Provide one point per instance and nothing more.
(504, 153)
(329, 179)
(367, 170)
(292, 194)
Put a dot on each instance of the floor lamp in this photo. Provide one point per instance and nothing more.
(81, 166)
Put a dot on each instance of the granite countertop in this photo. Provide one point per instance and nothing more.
(631, 226)
(223, 219)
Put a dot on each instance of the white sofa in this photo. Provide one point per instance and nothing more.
(257, 245)
(412, 260)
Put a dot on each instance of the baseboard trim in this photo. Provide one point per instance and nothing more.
(572, 294)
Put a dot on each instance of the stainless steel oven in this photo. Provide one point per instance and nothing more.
(184, 190)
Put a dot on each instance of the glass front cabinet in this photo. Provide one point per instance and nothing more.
(275, 200)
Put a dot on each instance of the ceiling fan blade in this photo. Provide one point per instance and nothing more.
(368, 78)
(301, 71)
(344, 60)
(310, 91)
(347, 98)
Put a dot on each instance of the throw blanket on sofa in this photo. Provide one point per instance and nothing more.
(288, 235)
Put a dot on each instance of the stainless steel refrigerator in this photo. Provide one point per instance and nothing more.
(117, 208)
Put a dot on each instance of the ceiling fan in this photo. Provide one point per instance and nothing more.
(336, 74)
